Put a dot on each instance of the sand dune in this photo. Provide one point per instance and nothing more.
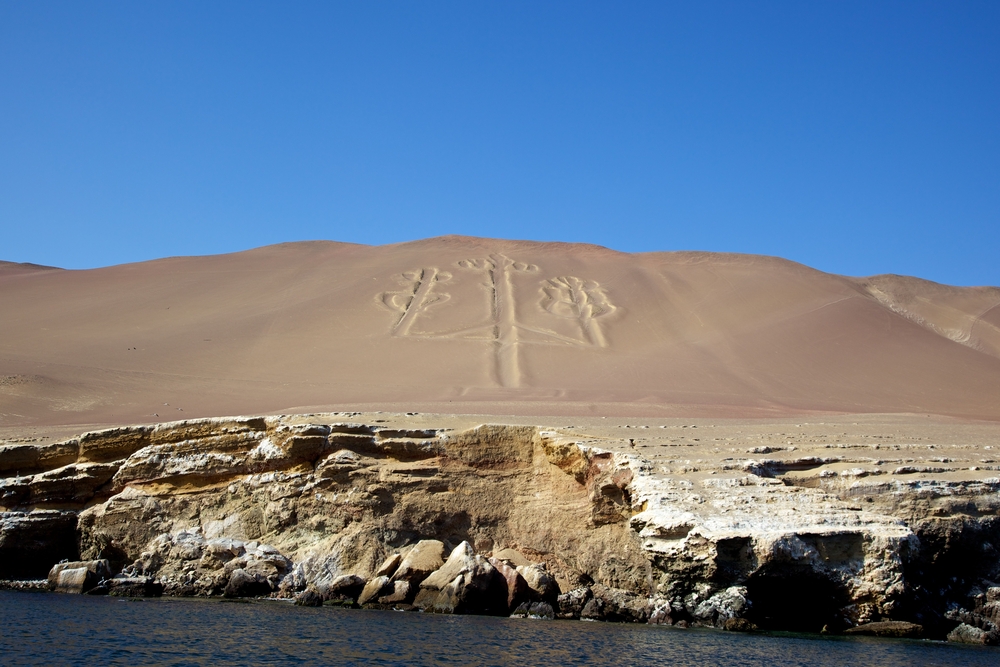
(457, 324)
(967, 315)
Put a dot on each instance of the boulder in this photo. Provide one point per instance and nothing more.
(462, 559)
(739, 625)
(224, 549)
(133, 587)
(388, 566)
(446, 600)
(517, 588)
(512, 556)
(309, 598)
(345, 587)
(593, 610)
(534, 610)
(398, 592)
(570, 605)
(616, 605)
(78, 576)
(722, 606)
(378, 586)
(662, 615)
(425, 557)
(542, 584)
(970, 634)
(75, 580)
(888, 629)
(465, 584)
(242, 584)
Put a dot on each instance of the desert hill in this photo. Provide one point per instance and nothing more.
(458, 324)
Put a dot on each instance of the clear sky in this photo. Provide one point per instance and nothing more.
(855, 137)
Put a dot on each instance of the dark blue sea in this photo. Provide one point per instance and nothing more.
(51, 629)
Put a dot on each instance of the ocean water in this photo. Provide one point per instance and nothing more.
(50, 629)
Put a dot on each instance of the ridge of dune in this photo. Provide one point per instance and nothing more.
(22, 268)
(966, 315)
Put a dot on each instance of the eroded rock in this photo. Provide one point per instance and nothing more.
(309, 598)
(465, 584)
(517, 588)
(388, 566)
(398, 592)
(616, 606)
(78, 577)
(377, 587)
(543, 586)
(128, 587)
(243, 584)
(888, 629)
(572, 604)
(425, 557)
(346, 588)
(187, 505)
(970, 634)
(188, 564)
(534, 610)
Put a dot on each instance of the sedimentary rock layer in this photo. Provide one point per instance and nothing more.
(826, 533)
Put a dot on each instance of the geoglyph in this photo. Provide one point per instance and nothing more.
(564, 297)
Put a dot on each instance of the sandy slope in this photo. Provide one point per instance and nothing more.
(458, 324)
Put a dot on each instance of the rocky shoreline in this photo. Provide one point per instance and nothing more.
(502, 520)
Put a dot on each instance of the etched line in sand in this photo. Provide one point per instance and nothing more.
(582, 300)
(416, 301)
(499, 267)
(566, 297)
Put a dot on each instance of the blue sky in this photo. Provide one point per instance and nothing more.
(855, 137)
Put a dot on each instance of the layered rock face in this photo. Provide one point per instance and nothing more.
(505, 518)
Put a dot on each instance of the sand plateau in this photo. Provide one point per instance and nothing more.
(677, 437)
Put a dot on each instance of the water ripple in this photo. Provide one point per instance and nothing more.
(49, 629)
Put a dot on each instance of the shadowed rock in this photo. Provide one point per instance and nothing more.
(542, 584)
(517, 588)
(30, 542)
(78, 576)
(397, 592)
(465, 584)
(309, 598)
(243, 584)
(970, 634)
(743, 625)
(571, 604)
(380, 585)
(128, 587)
(888, 629)
(347, 587)
(615, 605)
(534, 610)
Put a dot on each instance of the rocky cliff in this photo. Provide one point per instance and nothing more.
(830, 533)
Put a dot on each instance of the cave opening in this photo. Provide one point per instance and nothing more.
(795, 599)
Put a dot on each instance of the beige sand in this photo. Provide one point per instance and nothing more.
(479, 326)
